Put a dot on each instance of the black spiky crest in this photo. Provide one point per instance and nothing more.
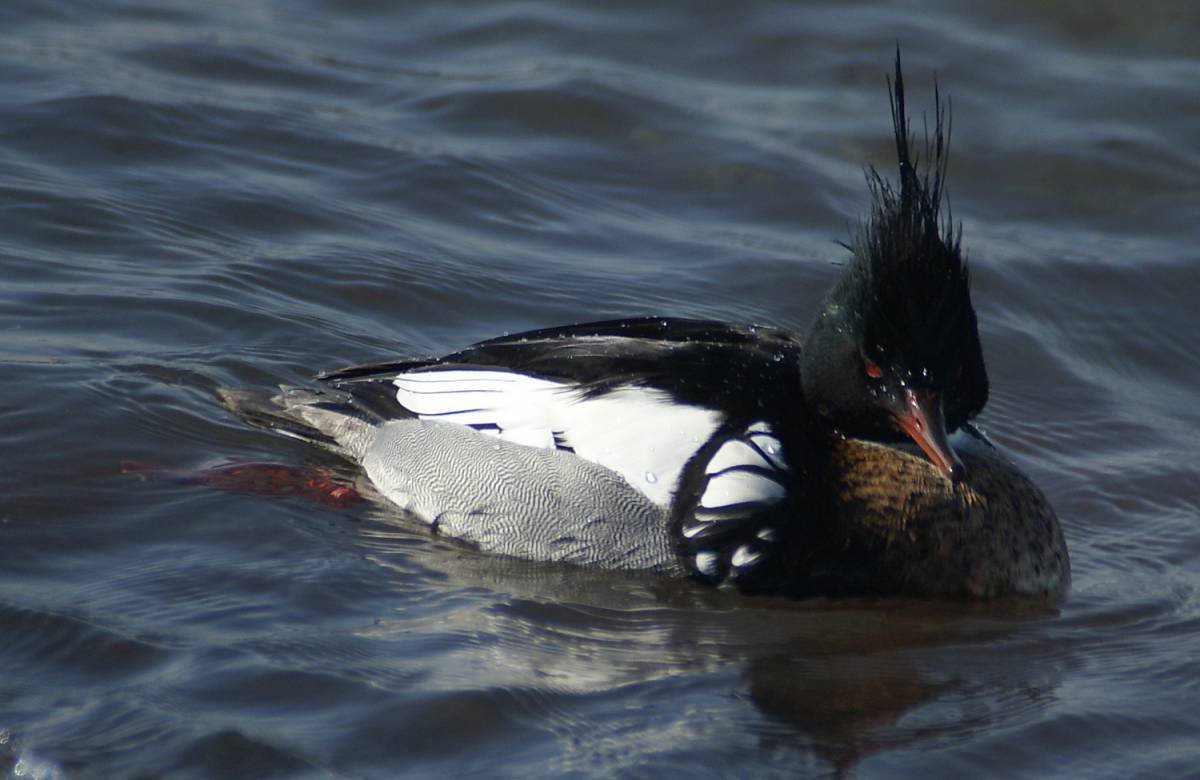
(901, 314)
(917, 303)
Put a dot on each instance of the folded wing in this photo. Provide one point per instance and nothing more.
(640, 397)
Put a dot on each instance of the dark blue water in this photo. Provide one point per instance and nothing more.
(195, 195)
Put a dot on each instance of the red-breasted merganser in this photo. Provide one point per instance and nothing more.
(747, 457)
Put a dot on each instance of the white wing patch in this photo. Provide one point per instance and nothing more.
(708, 563)
(745, 556)
(732, 530)
(640, 433)
(741, 487)
(746, 470)
(765, 441)
(736, 452)
(498, 403)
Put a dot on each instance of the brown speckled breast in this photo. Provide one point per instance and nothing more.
(994, 534)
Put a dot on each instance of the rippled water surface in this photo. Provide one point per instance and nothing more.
(195, 195)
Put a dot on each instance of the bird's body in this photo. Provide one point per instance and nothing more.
(744, 456)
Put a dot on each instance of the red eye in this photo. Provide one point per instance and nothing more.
(873, 370)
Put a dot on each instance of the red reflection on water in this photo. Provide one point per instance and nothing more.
(310, 482)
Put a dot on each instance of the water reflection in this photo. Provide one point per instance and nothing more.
(846, 679)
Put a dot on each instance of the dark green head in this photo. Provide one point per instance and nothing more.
(895, 350)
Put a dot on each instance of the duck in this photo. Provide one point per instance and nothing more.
(839, 462)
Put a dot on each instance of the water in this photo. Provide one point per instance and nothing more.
(201, 195)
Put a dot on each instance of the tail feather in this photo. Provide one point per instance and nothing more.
(325, 419)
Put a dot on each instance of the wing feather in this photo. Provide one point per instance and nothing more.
(640, 433)
(640, 396)
(741, 509)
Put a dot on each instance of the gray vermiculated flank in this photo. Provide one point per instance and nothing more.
(542, 504)
(534, 503)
